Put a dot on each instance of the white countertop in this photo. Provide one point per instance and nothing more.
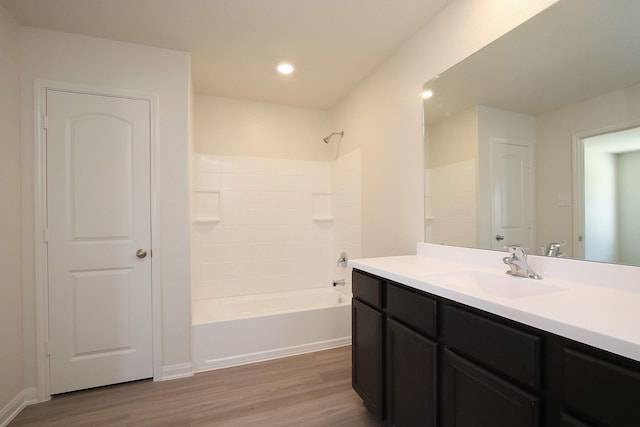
(596, 304)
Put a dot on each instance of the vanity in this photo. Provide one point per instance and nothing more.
(445, 338)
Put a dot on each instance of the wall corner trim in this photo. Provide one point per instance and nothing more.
(11, 410)
(173, 372)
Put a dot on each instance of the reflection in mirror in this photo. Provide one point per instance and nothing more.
(611, 198)
(508, 156)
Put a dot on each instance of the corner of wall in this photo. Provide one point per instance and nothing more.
(16, 405)
(173, 372)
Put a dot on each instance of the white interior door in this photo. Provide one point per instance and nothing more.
(98, 217)
(511, 194)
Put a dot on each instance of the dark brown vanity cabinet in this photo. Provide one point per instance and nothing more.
(424, 360)
(411, 356)
(394, 361)
(491, 372)
(367, 335)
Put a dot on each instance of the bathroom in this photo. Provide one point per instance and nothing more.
(382, 123)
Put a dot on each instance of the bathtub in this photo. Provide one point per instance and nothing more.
(238, 330)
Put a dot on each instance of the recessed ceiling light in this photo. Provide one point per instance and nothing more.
(427, 94)
(285, 68)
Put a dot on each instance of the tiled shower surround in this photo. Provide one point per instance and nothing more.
(450, 204)
(262, 225)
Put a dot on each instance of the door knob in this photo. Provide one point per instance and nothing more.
(499, 237)
(141, 253)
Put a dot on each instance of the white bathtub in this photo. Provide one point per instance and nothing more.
(237, 330)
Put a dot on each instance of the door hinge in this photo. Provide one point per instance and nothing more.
(45, 235)
(45, 122)
(47, 348)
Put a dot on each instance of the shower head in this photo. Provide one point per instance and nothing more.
(326, 139)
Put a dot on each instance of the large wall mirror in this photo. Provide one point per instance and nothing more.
(535, 139)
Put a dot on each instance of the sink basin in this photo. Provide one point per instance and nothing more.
(497, 285)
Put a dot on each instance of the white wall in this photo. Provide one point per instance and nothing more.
(234, 127)
(98, 62)
(383, 116)
(629, 202)
(600, 206)
(11, 354)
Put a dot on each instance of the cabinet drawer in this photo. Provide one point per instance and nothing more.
(412, 309)
(497, 346)
(367, 288)
(599, 390)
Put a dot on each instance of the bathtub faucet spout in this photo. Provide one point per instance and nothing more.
(338, 282)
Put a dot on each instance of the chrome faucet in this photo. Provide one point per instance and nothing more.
(553, 250)
(517, 263)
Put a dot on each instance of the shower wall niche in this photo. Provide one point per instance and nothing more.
(263, 225)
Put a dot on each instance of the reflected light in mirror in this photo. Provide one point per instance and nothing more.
(426, 94)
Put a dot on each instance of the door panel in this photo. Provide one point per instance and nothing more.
(102, 318)
(98, 213)
(110, 140)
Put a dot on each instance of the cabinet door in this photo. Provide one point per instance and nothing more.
(601, 391)
(411, 378)
(367, 370)
(569, 421)
(474, 397)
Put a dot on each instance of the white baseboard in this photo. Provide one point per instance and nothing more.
(243, 359)
(173, 372)
(26, 397)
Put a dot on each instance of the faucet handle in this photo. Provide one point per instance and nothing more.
(517, 251)
(342, 261)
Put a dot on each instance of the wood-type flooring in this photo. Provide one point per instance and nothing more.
(307, 390)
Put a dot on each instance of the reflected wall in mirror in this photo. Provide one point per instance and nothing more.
(507, 157)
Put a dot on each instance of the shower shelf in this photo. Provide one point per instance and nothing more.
(321, 207)
(322, 218)
(204, 219)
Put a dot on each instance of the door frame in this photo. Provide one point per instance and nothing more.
(41, 273)
(577, 145)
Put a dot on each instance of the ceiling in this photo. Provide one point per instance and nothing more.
(618, 142)
(235, 44)
(572, 51)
